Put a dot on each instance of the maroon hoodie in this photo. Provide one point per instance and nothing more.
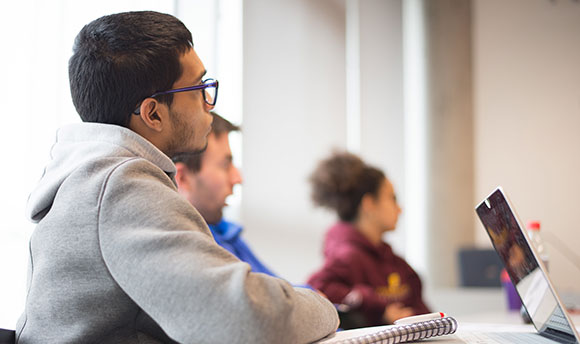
(353, 263)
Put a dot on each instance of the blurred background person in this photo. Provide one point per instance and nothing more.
(360, 270)
(206, 180)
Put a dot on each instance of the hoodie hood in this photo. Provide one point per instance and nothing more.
(80, 143)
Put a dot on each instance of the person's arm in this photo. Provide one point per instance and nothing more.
(337, 281)
(245, 254)
(418, 304)
(160, 252)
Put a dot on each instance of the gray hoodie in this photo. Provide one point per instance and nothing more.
(118, 256)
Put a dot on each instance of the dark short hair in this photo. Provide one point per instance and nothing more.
(219, 126)
(120, 59)
(340, 181)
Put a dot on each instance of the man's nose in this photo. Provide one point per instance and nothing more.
(236, 176)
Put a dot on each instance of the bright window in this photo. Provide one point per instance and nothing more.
(37, 39)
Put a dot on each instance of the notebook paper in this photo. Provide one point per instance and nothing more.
(393, 333)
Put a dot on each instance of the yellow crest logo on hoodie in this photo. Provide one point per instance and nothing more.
(394, 290)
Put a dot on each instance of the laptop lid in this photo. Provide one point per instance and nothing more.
(527, 272)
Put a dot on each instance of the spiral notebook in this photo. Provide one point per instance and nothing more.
(394, 333)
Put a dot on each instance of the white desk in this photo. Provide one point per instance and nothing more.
(475, 309)
(479, 309)
(476, 305)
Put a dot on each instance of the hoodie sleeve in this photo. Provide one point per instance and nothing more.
(161, 253)
(416, 298)
(337, 279)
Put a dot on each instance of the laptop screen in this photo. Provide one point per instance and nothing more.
(522, 265)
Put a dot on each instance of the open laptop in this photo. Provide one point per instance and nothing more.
(527, 272)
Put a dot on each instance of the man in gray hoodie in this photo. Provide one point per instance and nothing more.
(118, 256)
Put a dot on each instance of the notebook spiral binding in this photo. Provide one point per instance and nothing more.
(409, 333)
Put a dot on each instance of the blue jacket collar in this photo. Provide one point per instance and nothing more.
(226, 230)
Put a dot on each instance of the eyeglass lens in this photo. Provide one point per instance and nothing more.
(209, 94)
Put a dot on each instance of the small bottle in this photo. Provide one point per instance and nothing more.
(534, 234)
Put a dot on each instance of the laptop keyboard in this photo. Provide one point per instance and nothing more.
(503, 337)
(558, 321)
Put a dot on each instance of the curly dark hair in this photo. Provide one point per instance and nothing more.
(340, 181)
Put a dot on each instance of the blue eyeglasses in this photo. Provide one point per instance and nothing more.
(208, 86)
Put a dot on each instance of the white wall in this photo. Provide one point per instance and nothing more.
(527, 105)
(526, 115)
(448, 137)
(382, 117)
(295, 113)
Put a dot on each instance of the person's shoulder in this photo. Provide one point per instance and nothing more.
(109, 171)
(228, 225)
(140, 188)
(343, 241)
(129, 162)
(347, 254)
(402, 263)
(134, 169)
(137, 184)
(227, 231)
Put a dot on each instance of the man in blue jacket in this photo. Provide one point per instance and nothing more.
(206, 180)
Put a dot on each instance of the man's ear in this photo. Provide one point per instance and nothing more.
(182, 178)
(150, 114)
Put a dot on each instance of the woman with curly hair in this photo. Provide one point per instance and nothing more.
(360, 269)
